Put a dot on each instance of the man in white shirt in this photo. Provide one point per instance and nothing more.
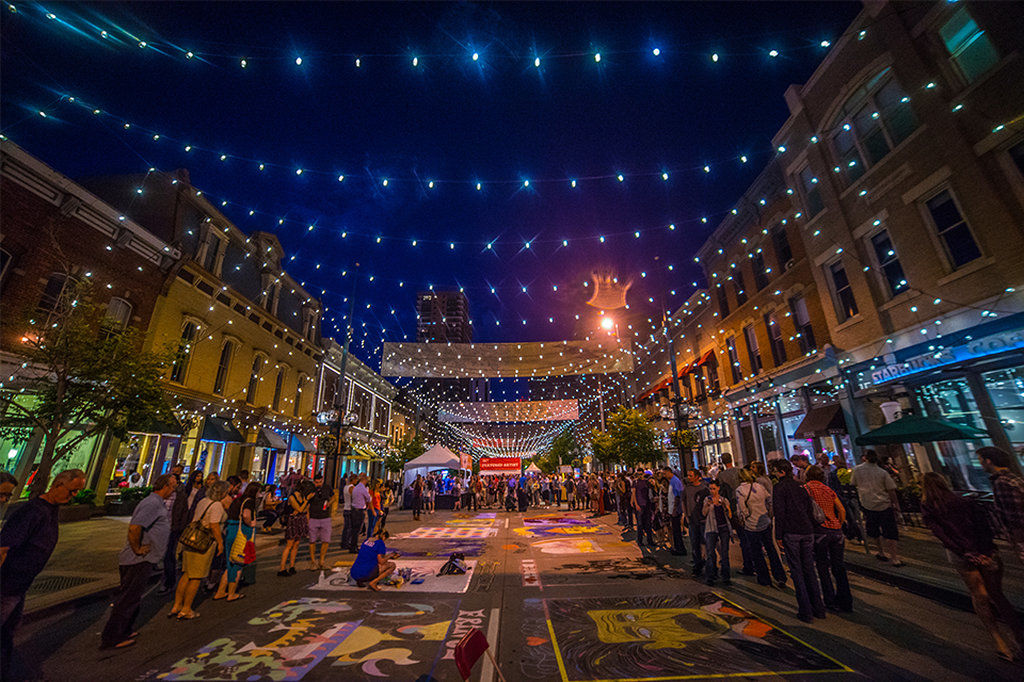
(360, 501)
(877, 493)
(346, 511)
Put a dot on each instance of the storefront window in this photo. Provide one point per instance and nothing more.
(952, 400)
(1006, 386)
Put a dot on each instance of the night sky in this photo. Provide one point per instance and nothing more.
(498, 120)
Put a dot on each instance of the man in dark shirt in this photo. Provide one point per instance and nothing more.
(794, 529)
(644, 506)
(694, 493)
(320, 522)
(26, 542)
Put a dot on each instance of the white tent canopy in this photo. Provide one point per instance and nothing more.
(533, 469)
(437, 457)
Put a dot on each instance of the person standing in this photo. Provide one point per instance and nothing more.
(794, 529)
(1008, 491)
(643, 504)
(753, 505)
(693, 500)
(346, 508)
(27, 540)
(728, 475)
(148, 532)
(674, 510)
(829, 542)
(195, 566)
(877, 493)
(297, 529)
(962, 528)
(241, 519)
(360, 502)
(570, 493)
(717, 531)
(320, 521)
(417, 499)
(176, 513)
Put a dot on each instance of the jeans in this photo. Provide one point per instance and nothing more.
(800, 556)
(134, 578)
(644, 517)
(622, 510)
(717, 542)
(11, 606)
(748, 556)
(371, 522)
(171, 560)
(828, 558)
(760, 543)
(696, 527)
(676, 523)
(346, 529)
(357, 524)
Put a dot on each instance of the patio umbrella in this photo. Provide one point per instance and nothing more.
(914, 429)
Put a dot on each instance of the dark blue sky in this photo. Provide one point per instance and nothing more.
(498, 120)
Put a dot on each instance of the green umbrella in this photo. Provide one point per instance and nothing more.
(913, 429)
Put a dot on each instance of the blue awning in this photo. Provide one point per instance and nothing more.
(301, 444)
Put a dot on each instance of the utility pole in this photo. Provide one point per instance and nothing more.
(678, 399)
(339, 398)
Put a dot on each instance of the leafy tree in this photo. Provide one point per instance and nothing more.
(629, 439)
(564, 449)
(405, 451)
(604, 448)
(82, 376)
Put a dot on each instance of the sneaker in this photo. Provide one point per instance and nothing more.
(283, 574)
(291, 571)
(163, 589)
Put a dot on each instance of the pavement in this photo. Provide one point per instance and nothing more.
(559, 596)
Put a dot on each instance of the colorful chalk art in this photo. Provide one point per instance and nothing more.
(658, 637)
(422, 578)
(557, 525)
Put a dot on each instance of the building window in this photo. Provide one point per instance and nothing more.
(802, 322)
(734, 360)
(5, 261)
(753, 352)
(1016, 155)
(780, 242)
(953, 229)
(278, 384)
(181, 359)
(711, 369)
(760, 270)
(969, 48)
(298, 396)
(254, 380)
(889, 263)
(811, 192)
(54, 298)
(119, 313)
(778, 346)
(845, 303)
(875, 119)
(209, 255)
(739, 288)
(723, 302)
(223, 365)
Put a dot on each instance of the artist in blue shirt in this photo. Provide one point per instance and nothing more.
(371, 564)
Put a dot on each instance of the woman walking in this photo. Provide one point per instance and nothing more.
(716, 534)
(960, 525)
(298, 526)
(196, 566)
(241, 519)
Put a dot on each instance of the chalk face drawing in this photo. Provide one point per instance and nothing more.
(657, 637)
(361, 640)
(567, 546)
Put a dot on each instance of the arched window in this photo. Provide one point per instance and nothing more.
(181, 359)
(223, 365)
(277, 389)
(254, 380)
(299, 385)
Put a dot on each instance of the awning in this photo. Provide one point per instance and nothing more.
(911, 429)
(704, 358)
(221, 430)
(667, 379)
(301, 444)
(268, 438)
(162, 424)
(825, 420)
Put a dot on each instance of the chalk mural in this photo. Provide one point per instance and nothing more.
(567, 546)
(652, 637)
(360, 640)
(446, 533)
(423, 570)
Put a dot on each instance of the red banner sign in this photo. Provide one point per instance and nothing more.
(500, 465)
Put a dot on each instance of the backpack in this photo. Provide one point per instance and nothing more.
(197, 537)
(456, 565)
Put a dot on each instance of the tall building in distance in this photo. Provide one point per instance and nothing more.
(443, 317)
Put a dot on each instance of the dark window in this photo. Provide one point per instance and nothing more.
(711, 369)
(278, 384)
(846, 304)
(780, 241)
(969, 48)
(802, 323)
(210, 255)
(734, 360)
(723, 302)
(1017, 155)
(811, 192)
(254, 380)
(5, 260)
(778, 346)
(184, 354)
(54, 297)
(952, 228)
(892, 271)
(298, 396)
(760, 270)
(753, 352)
(223, 365)
(739, 288)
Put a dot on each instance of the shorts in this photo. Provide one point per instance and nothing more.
(371, 576)
(881, 522)
(320, 530)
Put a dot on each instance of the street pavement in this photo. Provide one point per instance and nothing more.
(560, 596)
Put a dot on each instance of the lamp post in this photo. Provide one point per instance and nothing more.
(680, 419)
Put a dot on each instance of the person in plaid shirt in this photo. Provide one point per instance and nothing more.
(829, 542)
(1008, 490)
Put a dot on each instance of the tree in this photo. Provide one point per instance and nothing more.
(82, 376)
(563, 450)
(405, 451)
(629, 439)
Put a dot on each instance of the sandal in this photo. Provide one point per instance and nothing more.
(897, 564)
(236, 597)
(881, 557)
(216, 598)
(191, 616)
(121, 645)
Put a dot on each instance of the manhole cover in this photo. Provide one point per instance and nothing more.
(56, 583)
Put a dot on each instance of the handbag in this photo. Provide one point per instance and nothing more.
(197, 537)
(243, 549)
(817, 513)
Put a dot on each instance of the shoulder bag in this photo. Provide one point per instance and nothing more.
(243, 549)
(197, 536)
